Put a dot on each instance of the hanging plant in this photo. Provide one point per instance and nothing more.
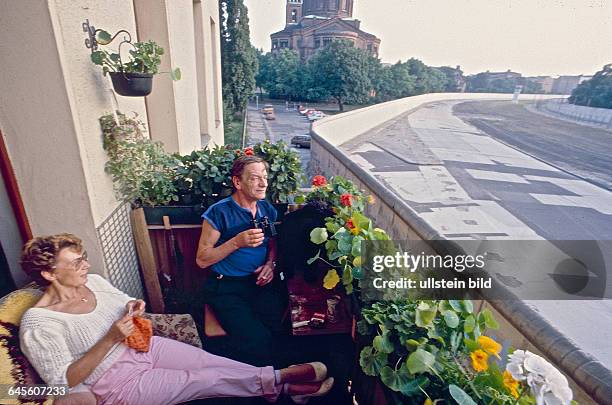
(135, 77)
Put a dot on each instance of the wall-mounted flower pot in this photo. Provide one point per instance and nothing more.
(132, 84)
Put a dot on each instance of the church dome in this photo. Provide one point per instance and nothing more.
(328, 8)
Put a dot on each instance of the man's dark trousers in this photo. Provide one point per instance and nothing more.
(251, 315)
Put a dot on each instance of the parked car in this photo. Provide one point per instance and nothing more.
(270, 116)
(267, 109)
(316, 116)
(301, 141)
(305, 111)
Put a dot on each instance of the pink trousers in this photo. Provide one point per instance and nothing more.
(172, 372)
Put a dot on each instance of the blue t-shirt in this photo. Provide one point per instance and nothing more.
(229, 218)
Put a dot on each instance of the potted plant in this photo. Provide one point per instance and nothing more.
(135, 77)
(285, 175)
(203, 176)
(143, 174)
(434, 351)
(344, 232)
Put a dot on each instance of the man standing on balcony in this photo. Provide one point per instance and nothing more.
(243, 289)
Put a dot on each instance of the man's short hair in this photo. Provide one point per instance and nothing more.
(40, 254)
(243, 161)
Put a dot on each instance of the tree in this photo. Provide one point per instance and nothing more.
(238, 56)
(264, 75)
(596, 92)
(428, 79)
(284, 71)
(395, 82)
(341, 71)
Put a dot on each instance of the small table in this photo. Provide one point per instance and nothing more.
(307, 298)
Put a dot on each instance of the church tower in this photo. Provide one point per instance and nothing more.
(293, 12)
(329, 8)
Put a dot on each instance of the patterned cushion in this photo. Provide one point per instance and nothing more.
(179, 327)
(14, 367)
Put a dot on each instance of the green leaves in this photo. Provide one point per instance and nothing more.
(402, 381)
(486, 319)
(103, 37)
(451, 319)
(425, 314)
(420, 361)
(371, 361)
(460, 396)
(318, 235)
(382, 343)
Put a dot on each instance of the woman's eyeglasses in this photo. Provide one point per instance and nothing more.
(77, 264)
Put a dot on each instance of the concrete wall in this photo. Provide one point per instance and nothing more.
(184, 113)
(601, 117)
(51, 97)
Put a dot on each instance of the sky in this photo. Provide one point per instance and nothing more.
(532, 37)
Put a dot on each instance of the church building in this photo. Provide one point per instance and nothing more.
(312, 24)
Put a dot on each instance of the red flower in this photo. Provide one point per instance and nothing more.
(249, 151)
(349, 223)
(319, 181)
(345, 199)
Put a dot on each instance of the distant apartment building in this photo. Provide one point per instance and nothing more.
(508, 74)
(312, 24)
(545, 82)
(566, 84)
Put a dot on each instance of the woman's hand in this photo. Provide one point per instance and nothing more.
(121, 329)
(135, 307)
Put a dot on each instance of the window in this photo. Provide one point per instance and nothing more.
(369, 47)
(317, 43)
(284, 43)
(326, 41)
(274, 44)
(294, 15)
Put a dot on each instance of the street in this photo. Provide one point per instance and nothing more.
(287, 124)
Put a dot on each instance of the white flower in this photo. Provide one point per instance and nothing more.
(548, 385)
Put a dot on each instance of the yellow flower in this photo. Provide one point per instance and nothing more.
(428, 401)
(357, 261)
(331, 279)
(490, 346)
(480, 360)
(371, 199)
(511, 384)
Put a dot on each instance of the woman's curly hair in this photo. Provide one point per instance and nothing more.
(40, 254)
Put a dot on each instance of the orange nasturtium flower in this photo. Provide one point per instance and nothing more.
(511, 384)
(480, 360)
(489, 345)
(331, 279)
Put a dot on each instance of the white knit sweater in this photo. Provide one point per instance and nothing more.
(53, 340)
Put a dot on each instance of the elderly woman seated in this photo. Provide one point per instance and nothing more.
(75, 335)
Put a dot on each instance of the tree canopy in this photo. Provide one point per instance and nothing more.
(596, 92)
(348, 75)
(238, 56)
